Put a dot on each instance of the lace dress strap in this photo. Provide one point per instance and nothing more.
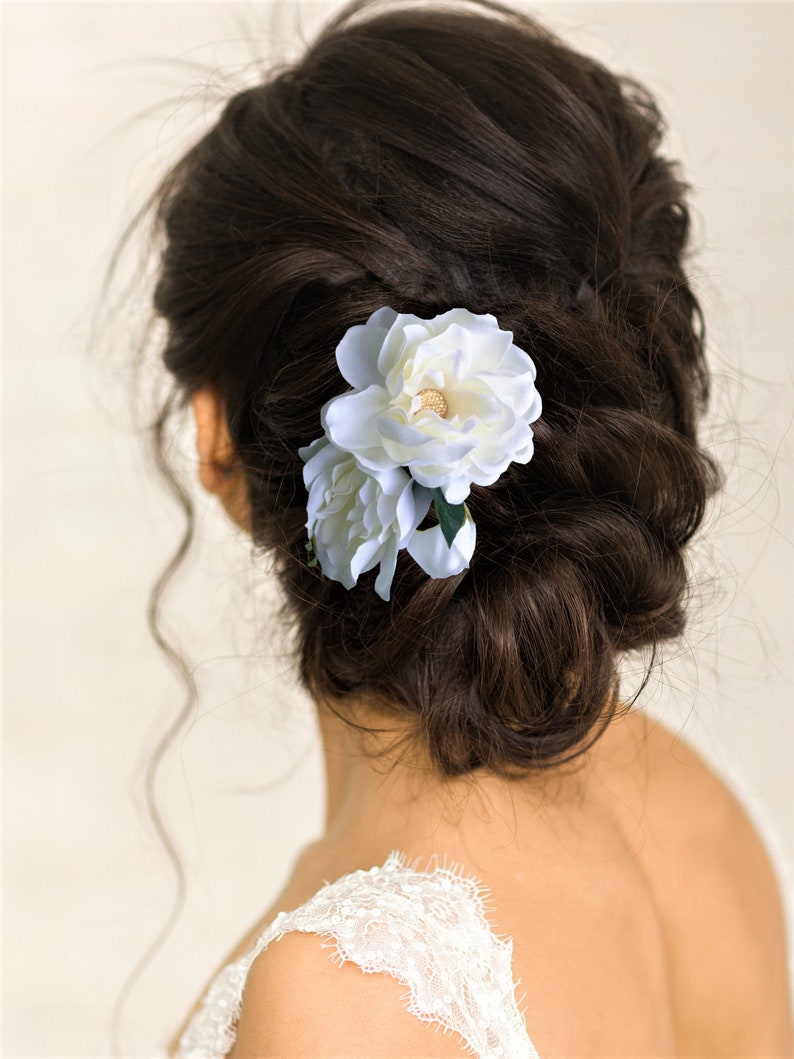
(428, 929)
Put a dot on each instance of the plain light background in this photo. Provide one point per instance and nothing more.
(98, 98)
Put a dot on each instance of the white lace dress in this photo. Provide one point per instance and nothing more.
(428, 929)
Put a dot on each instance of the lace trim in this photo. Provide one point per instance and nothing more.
(428, 929)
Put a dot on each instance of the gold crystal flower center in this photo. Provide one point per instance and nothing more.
(434, 400)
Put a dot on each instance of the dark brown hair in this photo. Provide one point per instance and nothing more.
(425, 157)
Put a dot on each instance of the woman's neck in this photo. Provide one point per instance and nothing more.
(384, 793)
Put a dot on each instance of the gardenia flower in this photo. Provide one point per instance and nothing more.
(449, 399)
(357, 519)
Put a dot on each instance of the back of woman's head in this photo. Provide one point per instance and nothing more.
(427, 157)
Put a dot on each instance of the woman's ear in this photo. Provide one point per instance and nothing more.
(220, 471)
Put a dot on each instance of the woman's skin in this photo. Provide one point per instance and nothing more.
(644, 913)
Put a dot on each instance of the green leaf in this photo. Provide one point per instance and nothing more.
(450, 516)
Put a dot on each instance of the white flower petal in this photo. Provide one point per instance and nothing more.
(357, 355)
(456, 490)
(388, 565)
(350, 421)
(535, 409)
(365, 557)
(474, 322)
(477, 401)
(396, 358)
(421, 499)
(316, 456)
(423, 444)
(383, 317)
(430, 550)
(515, 391)
(516, 361)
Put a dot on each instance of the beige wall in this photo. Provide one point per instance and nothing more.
(86, 694)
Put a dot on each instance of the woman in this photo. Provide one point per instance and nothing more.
(424, 293)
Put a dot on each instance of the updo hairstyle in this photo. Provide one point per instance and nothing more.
(427, 157)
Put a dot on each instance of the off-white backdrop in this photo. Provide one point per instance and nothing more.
(91, 119)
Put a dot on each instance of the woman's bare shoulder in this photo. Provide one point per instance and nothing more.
(673, 795)
(714, 885)
(300, 1003)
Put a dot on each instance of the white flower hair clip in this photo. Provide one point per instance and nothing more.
(435, 406)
